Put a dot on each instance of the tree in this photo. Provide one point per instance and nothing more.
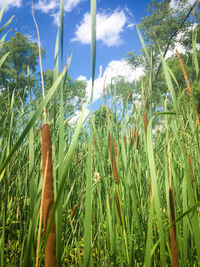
(74, 92)
(125, 91)
(100, 119)
(161, 29)
(13, 73)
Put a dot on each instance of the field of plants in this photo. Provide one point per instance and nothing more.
(122, 188)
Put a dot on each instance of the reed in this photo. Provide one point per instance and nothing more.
(48, 200)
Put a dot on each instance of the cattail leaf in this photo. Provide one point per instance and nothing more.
(93, 42)
(194, 217)
(2, 9)
(144, 46)
(88, 208)
(194, 55)
(55, 75)
(3, 58)
(6, 24)
(169, 84)
(59, 211)
(147, 262)
(156, 193)
(33, 119)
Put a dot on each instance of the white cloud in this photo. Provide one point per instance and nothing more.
(46, 6)
(11, 3)
(109, 28)
(81, 78)
(52, 6)
(175, 4)
(131, 25)
(31, 38)
(56, 18)
(74, 119)
(70, 4)
(181, 49)
(114, 68)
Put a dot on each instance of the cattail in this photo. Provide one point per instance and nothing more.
(108, 202)
(114, 147)
(95, 142)
(137, 141)
(125, 140)
(190, 165)
(145, 125)
(118, 207)
(174, 247)
(114, 166)
(48, 201)
(72, 213)
(77, 158)
(92, 218)
(134, 133)
(188, 84)
(130, 135)
(110, 146)
(191, 169)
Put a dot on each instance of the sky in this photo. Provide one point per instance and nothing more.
(116, 35)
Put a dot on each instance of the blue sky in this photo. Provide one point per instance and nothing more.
(116, 34)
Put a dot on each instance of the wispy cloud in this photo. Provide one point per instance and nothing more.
(52, 6)
(11, 3)
(71, 4)
(46, 6)
(115, 68)
(32, 38)
(109, 28)
(176, 4)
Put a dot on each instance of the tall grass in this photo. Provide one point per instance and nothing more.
(123, 193)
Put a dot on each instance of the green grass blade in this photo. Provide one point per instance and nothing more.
(2, 60)
(59, 211)
(55, 76)
(93, 42)
(61, 29)
(144, 46)
(169, 84)
(156, 194)
(147, 262)
(33, 119)
(194, 55)
(88, 207)
(2, 9)
(6, 24)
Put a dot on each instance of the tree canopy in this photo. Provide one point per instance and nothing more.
(13, 73)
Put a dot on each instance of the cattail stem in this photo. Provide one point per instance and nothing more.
(48, 199)
(145, 125)
(118, 207)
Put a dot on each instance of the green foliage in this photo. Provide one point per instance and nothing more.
(13, 73)
(74, 92)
